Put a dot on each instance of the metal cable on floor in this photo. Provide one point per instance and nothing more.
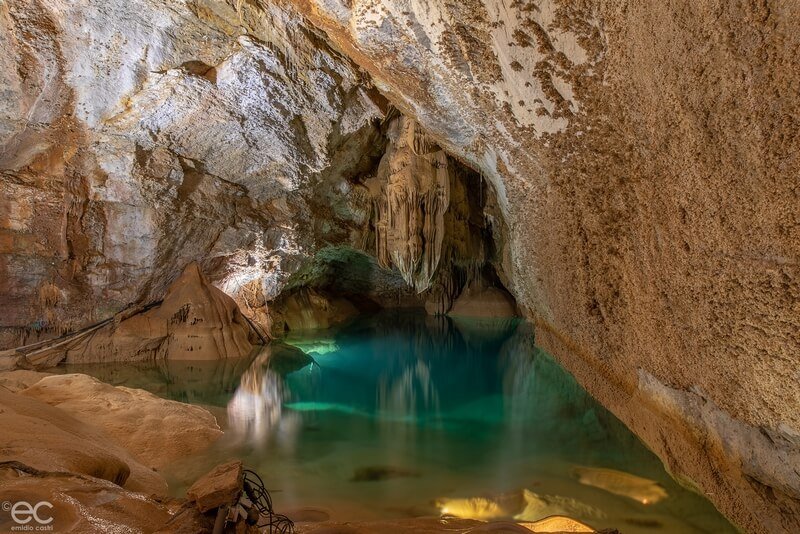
(258, 495)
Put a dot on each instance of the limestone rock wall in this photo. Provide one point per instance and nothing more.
(645, 156)
(136, 137)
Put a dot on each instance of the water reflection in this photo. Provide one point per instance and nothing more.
(402, 411)
(411, 393)
(255, 411)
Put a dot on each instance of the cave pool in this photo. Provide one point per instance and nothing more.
(403, 414)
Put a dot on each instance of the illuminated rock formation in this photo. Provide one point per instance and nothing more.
(195, 321)
(413, 195)
(634, 487)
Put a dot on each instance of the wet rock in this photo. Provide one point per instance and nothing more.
(377, 473)
(187, 519)
(634, 487)
(484, 302)
(81, 503)
(156, 431)
(48, 439)
(221, 486)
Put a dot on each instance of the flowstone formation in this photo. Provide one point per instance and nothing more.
(412, 193)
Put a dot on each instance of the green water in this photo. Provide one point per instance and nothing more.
(401, 410)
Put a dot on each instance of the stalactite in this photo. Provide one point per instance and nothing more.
(410, 205)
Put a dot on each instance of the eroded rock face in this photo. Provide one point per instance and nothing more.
(137, 137)
(48, 439)
(156, 431)
(645, 159)
(195, 321)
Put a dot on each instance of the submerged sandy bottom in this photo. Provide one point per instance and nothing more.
(408, 416)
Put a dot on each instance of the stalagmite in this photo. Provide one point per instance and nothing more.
(412, 193)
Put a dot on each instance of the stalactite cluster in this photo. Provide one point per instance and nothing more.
(411, 195)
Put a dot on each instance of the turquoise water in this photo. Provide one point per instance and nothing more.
(401, 412)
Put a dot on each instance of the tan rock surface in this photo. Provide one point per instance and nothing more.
(485, 302)
(155, 431)
(48, 439)
(80, 504)
(220, 486)
(645, 158)
(195, 321)
(20, 379)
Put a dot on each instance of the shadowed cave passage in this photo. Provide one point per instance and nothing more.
(430, 236)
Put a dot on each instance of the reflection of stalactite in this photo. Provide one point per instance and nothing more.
(256, 407)
(412, 393)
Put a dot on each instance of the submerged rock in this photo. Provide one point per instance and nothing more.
(540, 506)
(482, 508)
(155, 430)
(308, 515)
(376, 473)
(640, 489)
(523, 505)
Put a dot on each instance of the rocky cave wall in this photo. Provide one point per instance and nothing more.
(643, 155)
(128, 151)
(137, 138)
(646, 158)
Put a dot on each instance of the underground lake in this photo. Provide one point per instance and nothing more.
(401, 414)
